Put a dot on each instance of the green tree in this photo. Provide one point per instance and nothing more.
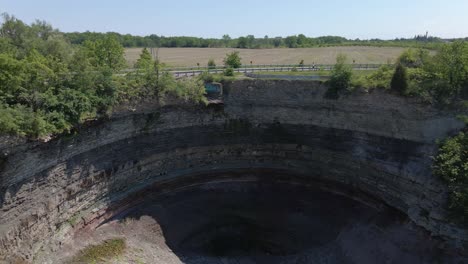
(242, 43)
(46, 85)
(453, 65)
(11, 78)
(42, 29)
(250, 41)
(106, 53)
(56, 46)
(232, 60)
(291, 41)
(145, 61)
(277, 42)
(84, 73)
(399, 81)
(150, 77)
(302, 40)
(444, 77)
(14, 30)
(226, 40)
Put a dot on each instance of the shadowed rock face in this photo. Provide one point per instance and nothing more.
(373, 144)
(263, 221)
(261, 218)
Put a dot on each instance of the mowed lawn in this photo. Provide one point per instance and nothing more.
(325, 55)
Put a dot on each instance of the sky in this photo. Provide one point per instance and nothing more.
(352, 19)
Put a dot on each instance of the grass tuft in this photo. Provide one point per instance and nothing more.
(104, 251)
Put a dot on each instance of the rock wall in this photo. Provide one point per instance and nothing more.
(377, 144)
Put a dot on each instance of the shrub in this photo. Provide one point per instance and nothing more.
(359, 82)
(229, 72)
(340, 78)
(301, 62)
(206, 77)
(378, 79)
(211, 64)
(232, 60)
(294, 69)
(399, 81)
(413, 58)
(451, 164)
(189, 89)
(102, 252)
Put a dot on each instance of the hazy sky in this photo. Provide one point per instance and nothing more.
(212, 18)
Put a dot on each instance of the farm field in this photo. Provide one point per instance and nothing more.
(325, 55)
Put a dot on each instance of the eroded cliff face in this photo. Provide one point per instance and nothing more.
(376, 144)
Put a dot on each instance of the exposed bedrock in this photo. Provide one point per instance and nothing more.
(376, 144)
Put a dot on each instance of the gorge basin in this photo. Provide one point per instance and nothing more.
(262, 221)
(277, 174)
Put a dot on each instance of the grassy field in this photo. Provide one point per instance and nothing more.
(325, 55)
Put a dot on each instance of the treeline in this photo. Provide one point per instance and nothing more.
(49, 86)
(250, 41)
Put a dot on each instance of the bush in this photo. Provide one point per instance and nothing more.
(189, 89)
(444, 77)
(211, 64)
(340, 78)
(399, 81)
(413, 58)
(232, 60)
(451, 164)
(378, 79)
(206, 77)
(229, 72)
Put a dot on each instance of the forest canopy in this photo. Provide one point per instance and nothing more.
(250, 41)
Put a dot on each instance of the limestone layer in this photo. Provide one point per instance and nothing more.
(377, 144)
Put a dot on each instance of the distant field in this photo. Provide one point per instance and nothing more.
(326, 55)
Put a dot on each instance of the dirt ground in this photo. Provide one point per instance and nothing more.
(259, 223)
(325, 55)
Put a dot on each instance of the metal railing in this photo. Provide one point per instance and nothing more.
(192, 71)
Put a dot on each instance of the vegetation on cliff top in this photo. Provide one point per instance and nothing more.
(48, 86)
(340, 78)
(440, 79)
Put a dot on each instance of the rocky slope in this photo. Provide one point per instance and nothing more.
(376, 144)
